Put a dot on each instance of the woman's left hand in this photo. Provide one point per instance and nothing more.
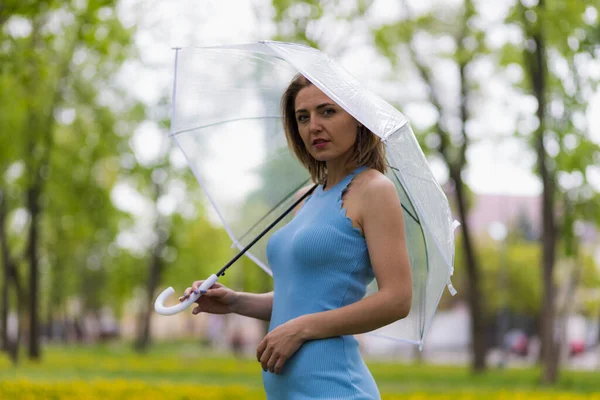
(279, 345)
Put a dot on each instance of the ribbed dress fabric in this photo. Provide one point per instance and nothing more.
(320, 262)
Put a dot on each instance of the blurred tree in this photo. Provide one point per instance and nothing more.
(12, 116)
(557, 48)
(56, 59)
(81, 222)
(310, 22)
(9, 275)
(449, 132)
(69, 146)
(522, 293)
(179, 240)
(156, 262)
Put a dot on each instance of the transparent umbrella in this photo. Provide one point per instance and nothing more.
(227, 121)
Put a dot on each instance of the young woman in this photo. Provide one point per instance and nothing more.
(347, 232)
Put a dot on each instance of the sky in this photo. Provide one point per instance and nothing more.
(499, 166)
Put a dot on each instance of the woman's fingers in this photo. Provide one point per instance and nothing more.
(197, 284)
(260, 349)
(215, 292)
(269, 359)
(196, 287)
(272, 361)
(264, 359)
(186, 294)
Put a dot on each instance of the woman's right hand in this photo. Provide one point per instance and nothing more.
(219, 299)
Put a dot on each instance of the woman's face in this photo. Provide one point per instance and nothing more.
(327, 130)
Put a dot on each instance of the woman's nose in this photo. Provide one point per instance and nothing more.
(315, 124)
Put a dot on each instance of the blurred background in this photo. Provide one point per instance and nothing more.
(99, 212)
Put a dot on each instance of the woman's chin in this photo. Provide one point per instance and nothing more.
(327, 157)
(321, 158)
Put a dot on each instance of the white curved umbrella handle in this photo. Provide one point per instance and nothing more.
(159, 304)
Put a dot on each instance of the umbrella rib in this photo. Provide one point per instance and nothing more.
(424, 303)
(423, 306)
(225, 122)
(410, 214)
(428, 180)
(418, 209)
(414, 217)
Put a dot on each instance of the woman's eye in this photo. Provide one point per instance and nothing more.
(328, 111)
(302, 118)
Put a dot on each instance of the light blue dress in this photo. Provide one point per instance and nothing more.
(320, 262)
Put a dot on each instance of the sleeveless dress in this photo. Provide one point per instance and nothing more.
(320, 262)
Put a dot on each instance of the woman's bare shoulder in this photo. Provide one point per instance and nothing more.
(379, 199)
(372, 182)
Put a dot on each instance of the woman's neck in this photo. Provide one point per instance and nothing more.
(336, 171)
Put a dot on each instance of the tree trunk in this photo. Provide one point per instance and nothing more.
(32, 254)
(5, 274)
(5, 307)
(154, 274)
(10, 274)
(39, 128)
(455, 158)
(14, 346)
(537, 73)
(456, 166)
(474, 297)
(549, 347)
(155, 270)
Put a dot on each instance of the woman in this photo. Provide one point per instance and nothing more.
(349, 231)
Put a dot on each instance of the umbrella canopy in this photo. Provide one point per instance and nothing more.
(227, 121)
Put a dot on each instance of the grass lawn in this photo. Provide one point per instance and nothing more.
(188, 365)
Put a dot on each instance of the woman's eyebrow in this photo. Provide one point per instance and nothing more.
(320, 106)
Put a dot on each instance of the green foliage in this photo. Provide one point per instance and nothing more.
(511, 278)
(58, 127)
(202, 249)
(567, 38)
(508, 278)
(306, 21)
(569, 41)
(69, 124)
(168, 364)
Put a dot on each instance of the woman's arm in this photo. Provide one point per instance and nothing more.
(253, 305)
(220, 299)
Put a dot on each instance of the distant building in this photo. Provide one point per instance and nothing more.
(523, 213)
(516, 212)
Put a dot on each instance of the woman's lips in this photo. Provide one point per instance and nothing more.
(319, 144)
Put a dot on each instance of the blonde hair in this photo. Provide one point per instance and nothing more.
(369, 150)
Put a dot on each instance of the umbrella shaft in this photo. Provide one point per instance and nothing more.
(267, 229)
